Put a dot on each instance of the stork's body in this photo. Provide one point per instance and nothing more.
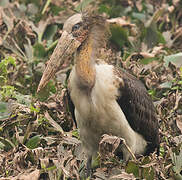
(107, 99)
(98, 112)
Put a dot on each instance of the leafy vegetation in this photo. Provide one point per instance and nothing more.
(37, 135)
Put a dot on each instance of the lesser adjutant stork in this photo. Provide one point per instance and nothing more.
(107, 99)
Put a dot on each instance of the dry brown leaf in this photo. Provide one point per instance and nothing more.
(175, 2)
(8, 20)
(171, 9)
(147, 55)
(101, 174)
(139, 5)
(178, 139)
(31, 176)
(157, 50)
(120, 21)
(124, 175)
(179, 122)
(168, 38)
(109, 144)
(53, 123)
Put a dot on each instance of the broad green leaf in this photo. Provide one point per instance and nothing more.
(153, 36)
(39, 50)
(47, 91)
(148, 173)
(160, 37)
(132, 167)
(83, 5)
(119, 36)
(104, 9)
(166, 85)
(175, 59)
(140, 16)
(55, 9)
(23, 99)
(3, 107)
(50, 32)
(95, 161)
(33, 142)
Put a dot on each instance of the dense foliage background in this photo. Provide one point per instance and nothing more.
(38, 138)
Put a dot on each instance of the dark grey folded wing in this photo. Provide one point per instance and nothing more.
(139, 110)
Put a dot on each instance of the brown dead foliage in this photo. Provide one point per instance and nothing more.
(58, 153)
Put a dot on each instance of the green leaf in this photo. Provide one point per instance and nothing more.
(2, 146)
(95, 161)
(166, 85)
(55, 9)
(33, 109)
(39, 50)
(132, 167)
(177, 164)
(5, 62)
(50, 32)
(47, 91)
(33, 142)
(8, 144)
(162, 151)
(155, 17)
(148, 173)
(119, 36)
(175, 59)
(104, 9)
(140, 16)
(82, 5)
(160, 37)
(23, 99)
(153, 36)
(75, 133)
(146, 61)
(11, 60)
(4, 110)
(7, 92)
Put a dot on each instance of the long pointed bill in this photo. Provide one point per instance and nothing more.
(67, 44)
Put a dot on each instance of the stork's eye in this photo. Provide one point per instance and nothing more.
(76, 26)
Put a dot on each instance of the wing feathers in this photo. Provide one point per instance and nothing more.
(138, 108)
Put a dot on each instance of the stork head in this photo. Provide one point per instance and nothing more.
(76, 29)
